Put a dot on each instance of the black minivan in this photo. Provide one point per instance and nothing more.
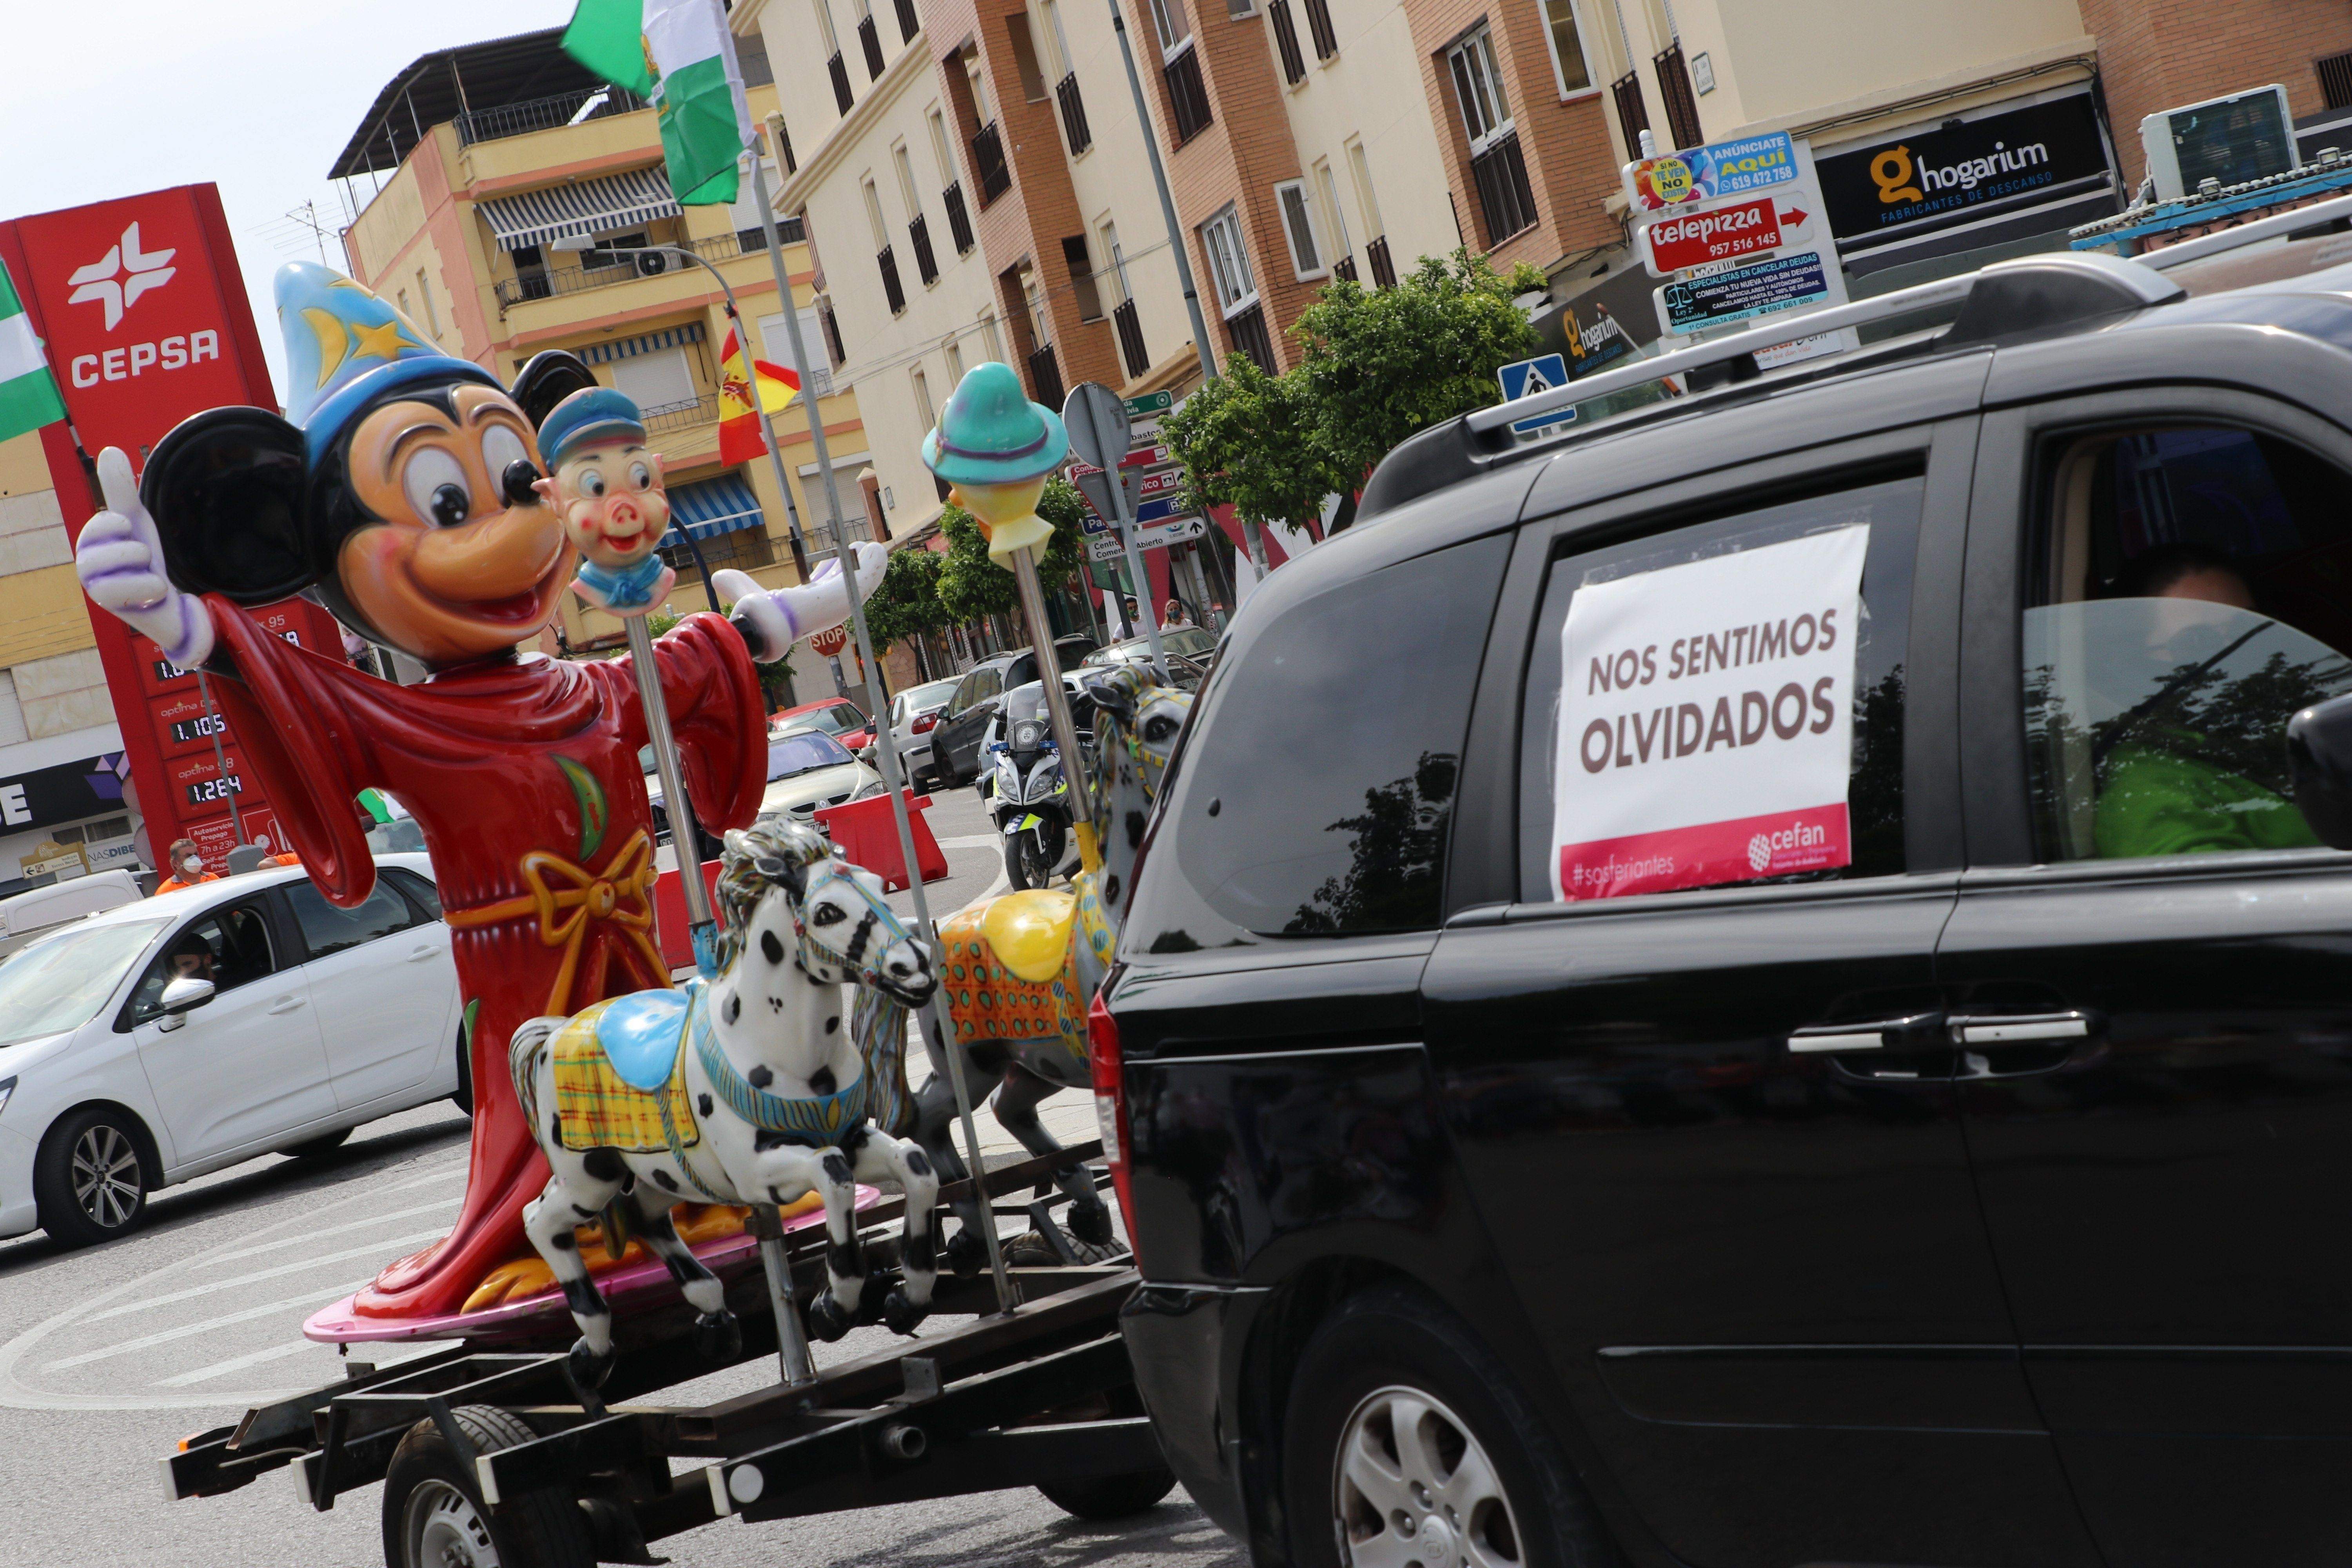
(1976, 1192)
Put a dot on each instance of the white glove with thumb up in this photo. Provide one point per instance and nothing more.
(119, 560)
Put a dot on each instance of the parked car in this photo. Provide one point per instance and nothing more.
(165, 1038)
(914, 713)
(843, 720)
(1193, 642)
(806, 769)
(979, 692)
(35, 913)
(1540, 1146)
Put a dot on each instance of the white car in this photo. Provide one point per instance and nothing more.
(169, 1038)
(914, 713)
(807, 769)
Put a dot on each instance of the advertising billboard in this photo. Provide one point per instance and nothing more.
(1964, 169)
(141, 306)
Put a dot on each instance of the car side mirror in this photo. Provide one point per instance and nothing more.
(2319, 761)
(183, 997)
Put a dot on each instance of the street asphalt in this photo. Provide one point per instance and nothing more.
(109, 1355)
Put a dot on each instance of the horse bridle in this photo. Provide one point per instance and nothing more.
(812, 949)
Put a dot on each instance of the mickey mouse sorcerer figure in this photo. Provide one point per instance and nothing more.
(404, 491)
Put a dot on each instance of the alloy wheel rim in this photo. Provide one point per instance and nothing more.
(1412, 1487)
(106, 1176)
(444, 1530)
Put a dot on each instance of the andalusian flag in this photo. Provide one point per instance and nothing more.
(28, 393)
(739, 426)
(680, 55)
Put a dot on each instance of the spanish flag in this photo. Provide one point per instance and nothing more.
(739, 426)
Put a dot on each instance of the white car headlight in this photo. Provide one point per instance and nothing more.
(870, 791)
(7, 1088)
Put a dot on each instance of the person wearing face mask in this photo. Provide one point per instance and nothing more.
(187, 868)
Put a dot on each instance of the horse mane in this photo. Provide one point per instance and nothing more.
(775, 851)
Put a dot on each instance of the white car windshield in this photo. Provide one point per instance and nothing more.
(60, 983)
(805, 751)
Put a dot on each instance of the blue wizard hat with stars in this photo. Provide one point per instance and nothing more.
(344, 346)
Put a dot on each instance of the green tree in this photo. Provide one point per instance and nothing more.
(907, 602)
(971, 586)
(1254, 442)
(1382, 363)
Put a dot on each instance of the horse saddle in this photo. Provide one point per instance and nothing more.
(1030, 932)
(620, 1075)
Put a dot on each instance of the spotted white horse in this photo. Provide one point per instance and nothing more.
(743, 1089)
(1017, 973)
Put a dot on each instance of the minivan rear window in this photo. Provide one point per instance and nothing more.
(1315, 798)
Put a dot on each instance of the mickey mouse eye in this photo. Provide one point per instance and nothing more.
(434, 484)
(502, 448)
(592, 481)
(641, 476)
(828, 915)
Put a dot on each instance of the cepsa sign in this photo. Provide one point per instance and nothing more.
(140, 332)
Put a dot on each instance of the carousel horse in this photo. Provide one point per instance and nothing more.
(740, 1090)
(1019, 973)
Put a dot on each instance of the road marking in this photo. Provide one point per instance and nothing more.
(222, 1368)
(165, 1336)
(371, 1249)
(440, 1207)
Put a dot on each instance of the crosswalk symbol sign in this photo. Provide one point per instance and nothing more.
(1523, 378)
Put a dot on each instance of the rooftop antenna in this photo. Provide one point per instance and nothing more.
(306, 215)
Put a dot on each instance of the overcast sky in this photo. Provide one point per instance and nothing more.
(115, 97)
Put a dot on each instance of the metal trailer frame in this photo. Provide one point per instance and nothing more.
(1042, 1393)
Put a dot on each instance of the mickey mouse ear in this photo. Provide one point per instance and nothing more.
(548, 379)
(226, 490)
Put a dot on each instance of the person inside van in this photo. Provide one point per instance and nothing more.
(187, 868)
(2160, 796)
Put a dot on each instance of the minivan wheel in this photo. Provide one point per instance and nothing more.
(90, 1181)
(1406, 1442)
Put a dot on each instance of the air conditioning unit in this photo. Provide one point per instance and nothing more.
(652, 264)
(2230, 141)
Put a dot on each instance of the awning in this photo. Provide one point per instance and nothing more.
(578, 210)
(708, 508)
(650, 342)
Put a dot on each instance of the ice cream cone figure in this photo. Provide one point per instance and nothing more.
(996, 448)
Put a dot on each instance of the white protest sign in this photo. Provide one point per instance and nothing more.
(1707, 720)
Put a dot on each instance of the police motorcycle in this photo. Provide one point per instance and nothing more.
(1027, 791)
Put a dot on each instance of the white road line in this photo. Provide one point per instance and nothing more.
(165, 1336)
(444, 1206)
(972, 841)
(455, 1168)
(1003, 883)
(222, 1368)
(372, 1249)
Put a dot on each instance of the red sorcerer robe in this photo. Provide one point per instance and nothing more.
(523, 775)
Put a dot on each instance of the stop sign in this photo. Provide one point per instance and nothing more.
(824, 644)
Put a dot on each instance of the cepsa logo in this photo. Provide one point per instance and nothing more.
(133, 302)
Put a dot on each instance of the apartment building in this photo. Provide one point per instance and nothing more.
(499, 187)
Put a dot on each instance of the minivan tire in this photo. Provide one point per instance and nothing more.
(91, 1178)
(1389, 1346)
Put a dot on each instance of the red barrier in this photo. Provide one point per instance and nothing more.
(867, 835)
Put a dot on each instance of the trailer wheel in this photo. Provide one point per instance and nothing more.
(433, 1513)
(1111, 1497)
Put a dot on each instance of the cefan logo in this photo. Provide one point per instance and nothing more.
(118, 279)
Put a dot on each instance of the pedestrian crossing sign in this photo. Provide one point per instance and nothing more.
(1523, 378)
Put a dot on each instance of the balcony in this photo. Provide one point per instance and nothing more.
(891, 290)
(680, 415)
(555, 281)
(1131, 350)
(988, 156)
(1285, 41)
(543, 113)
(1319, 25)
(831, 325)
(870, 37)
(1345, 267)
(1376, 257)
(907, 24)
(919, 237)
(1246, 334)
(959, 220)
(1045, 377)
(1504, 199)
(838, 68)
(1074, 113)
(1188, 96)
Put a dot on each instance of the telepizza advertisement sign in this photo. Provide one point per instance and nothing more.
(1705, 726)
(141, 308)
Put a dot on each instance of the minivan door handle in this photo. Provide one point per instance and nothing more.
(1830, 1039)
(2020, 1028)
